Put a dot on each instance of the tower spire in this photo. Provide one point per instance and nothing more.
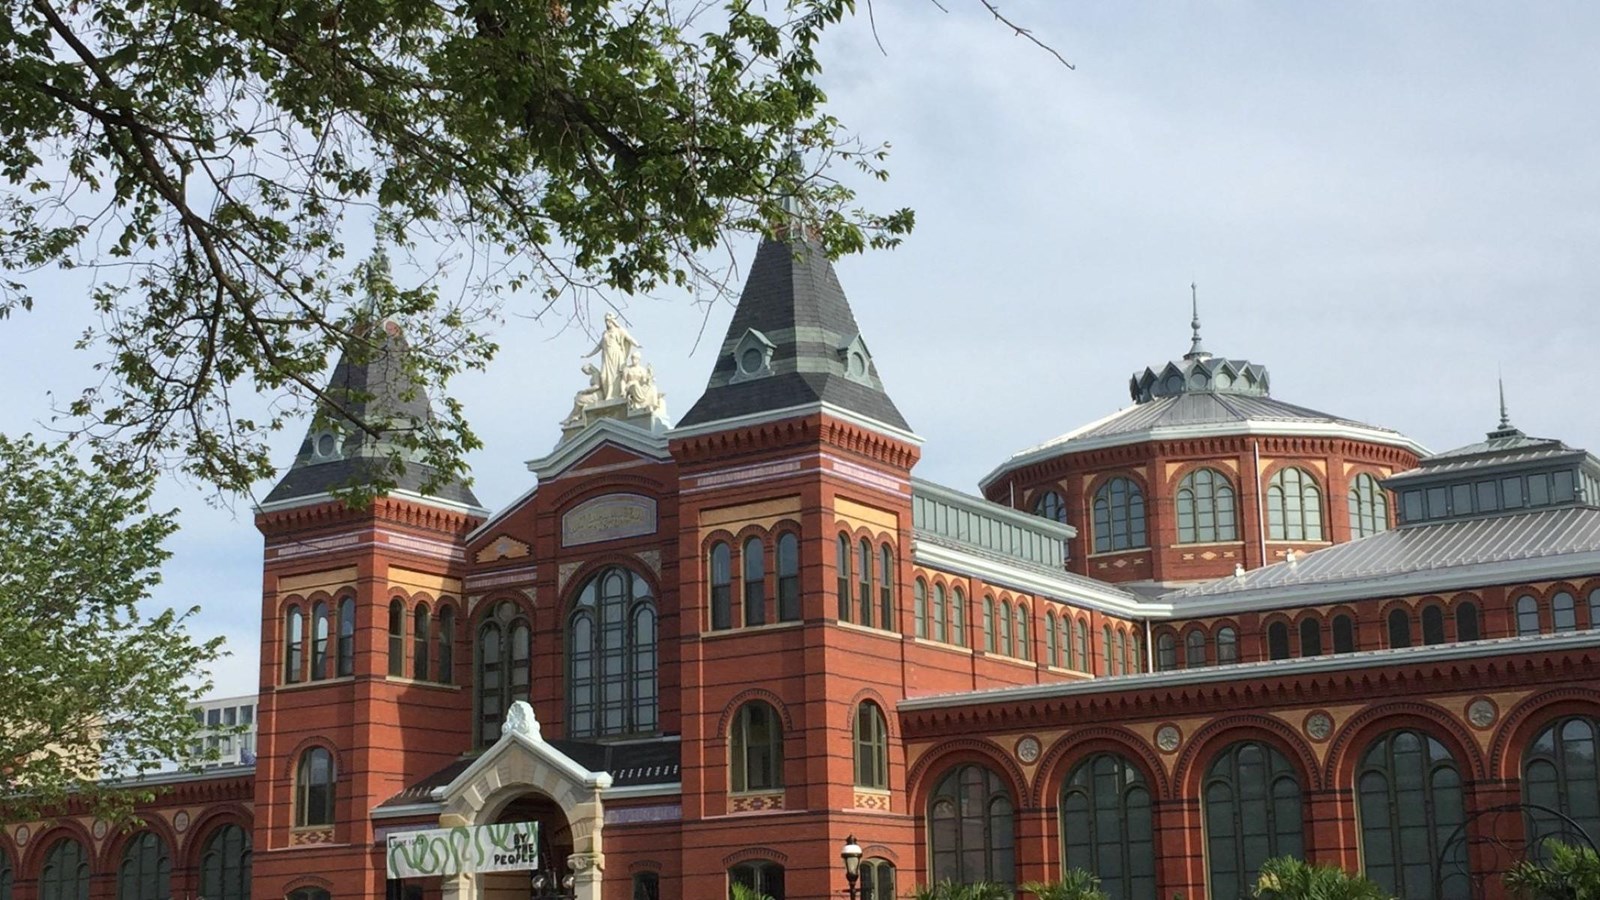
(1505, 417)
(1197, 350)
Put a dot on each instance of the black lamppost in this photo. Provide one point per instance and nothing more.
(851, 854)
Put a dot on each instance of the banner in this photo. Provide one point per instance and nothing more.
(467, 849)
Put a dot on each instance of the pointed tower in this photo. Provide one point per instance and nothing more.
(795, 521)
(359, 630)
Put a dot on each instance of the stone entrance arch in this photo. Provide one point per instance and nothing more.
(519, 764)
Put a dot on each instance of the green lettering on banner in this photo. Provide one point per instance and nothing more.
(464, 850)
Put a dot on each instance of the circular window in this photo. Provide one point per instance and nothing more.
(326, 445)
(750, 362)
(1174, 383)
(858, 364)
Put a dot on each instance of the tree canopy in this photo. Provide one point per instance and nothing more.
(213, 159)
(96, 692)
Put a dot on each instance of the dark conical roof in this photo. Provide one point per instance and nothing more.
(793, 342)
(373, 385)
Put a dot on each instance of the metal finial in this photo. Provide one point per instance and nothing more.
(1505, 417)
(378, 273)
(1196, 349)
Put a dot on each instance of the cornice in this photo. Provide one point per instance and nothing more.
(409, 510)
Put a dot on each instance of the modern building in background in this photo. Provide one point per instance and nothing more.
(1212, 628)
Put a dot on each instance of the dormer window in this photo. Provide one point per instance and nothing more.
(857, 361)
(752, 356)
(326, 446)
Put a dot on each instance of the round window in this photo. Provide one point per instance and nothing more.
(858, 364)
(326, 445)
(750, 361)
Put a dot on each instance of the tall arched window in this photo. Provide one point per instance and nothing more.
(309, 893)
(971, 828)
(503, 662)
(397, 637)
(1051, 506)
(1252, 813)
(1294, 507)
(1166, 652)
(1467, 628)
(1119, 653)
(1563, 612)
(755, 582)
(1081, 642)
(958, 616)
(421, 639)
(66, 872)
(1527, 615)
(755, 749)
(1594, 608)
(1344, 634)
(1227, 646)
(1105, 649)
(1369, 507)
(1135, 654)
(1064, 644)
(346, 653)
(788, 577)
(886, 617)
(1050, 637)
(1105, 816)
(1205, 508)
(1278, 641)
(1008, 644)
(319, 640)
(313, 789)
(1409, 800)
(941, 631)
(1558, 773)
(872, 747)
(991, 633)
(146, 869)
(1118, 516)
(841, 562)
(761, 876)
(294, 643)
(919, 607)
(611, 657)
(447, 645)
(225, 865)
(1024, 636)
(1432, 624)
(864, 573)
(1399, 628)
(1194, 649)
(877, 879)
(1310, 637)
(721, 586)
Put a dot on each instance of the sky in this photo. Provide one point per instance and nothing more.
(1389, 205)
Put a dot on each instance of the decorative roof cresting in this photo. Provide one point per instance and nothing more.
(1199, 370)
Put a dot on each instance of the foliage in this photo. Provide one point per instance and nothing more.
(1075, 884)
(1287, 878)
(745, 892)
(950, 890)
(93, 686)
(210, 158)
(1565, 872)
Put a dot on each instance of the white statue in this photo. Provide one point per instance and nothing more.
(614, 348)
(585, 398)
(639, 385)
(521, 720)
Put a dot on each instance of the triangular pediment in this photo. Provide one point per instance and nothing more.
(605, 442)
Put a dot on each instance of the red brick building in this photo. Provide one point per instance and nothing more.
(1209, 629)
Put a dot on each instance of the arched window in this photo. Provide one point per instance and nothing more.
(647, 886)
(66, 872)
(919, 607)
(1024, 639)
(1344, 634)
(1119, 653)
(346, 665)
(958, 617)
(991, 634)
(1081, 641)
(447, 645)
(872, 747)
(1166, 652)
(146, 869)
(886, 615)
(1118, 516)
(721, 586)
(420, 640)
(940, 631)
(1205, 508)
(313, 789)
(1194, 649)
(864, 572)
(1135, 655)
(788, 577)
(1409, 803)
(1527, 615)
(841, 562)
(1563, 613)
(1105, 649)
(877, 879)
(755, 582)
(294, 641)
(755, 749)
(1227, 646)
(1467, 621)
(504, 658)
(1064, 645)
(1050, 637)
(1105, 816)
(765, 878)
(1278, 641)
(971, 828)
(397, 637)
(1369, 507)
(309, 893)
(1558, 773)
(1594, 608)
(1399, 628)
(319, 640)
(1252, 813)
(611, 657)
(1051, 506)
(1432, 625)
(1310, 637)
(1294, 507)
(225, 865)
(1008, 645)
